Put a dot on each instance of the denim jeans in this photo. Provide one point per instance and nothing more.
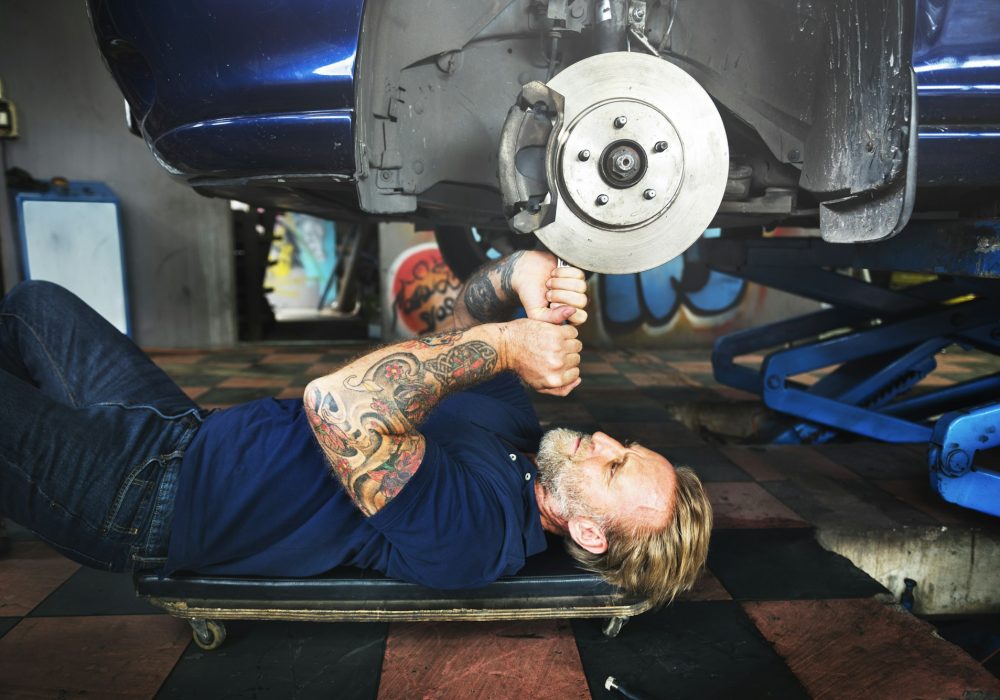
(92, 433)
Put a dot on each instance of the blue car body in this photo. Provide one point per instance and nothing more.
(232, 95)
(956, 58)
(224, 90)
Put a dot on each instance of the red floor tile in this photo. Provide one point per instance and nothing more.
(936, 380)
(253, 382)
(536, 659)
(777, 462)
(193, 392)
(708, 587)
(863, 648)
(28, 574)
(102, 657)
(754, 461)
(695, 366)
(731, 394)
(191, 358)
(290, 358)
(739, 504)
(792, 460)
(918, 493)
(321, 369)
(596, 368)
(291, 392)
(660, 378)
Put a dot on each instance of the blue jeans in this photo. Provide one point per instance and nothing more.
(92, 433)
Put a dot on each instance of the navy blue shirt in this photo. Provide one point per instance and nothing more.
(257, 497)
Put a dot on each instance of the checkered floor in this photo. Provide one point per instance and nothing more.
(776, 616)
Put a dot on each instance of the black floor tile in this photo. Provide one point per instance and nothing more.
(236, 395)
(6, 623)
(283, 660)
(92, 592)
(887, 504)
(689, 650)
(979, 635)
(275, 369)
(781, 564)
(615, 410)
(804, 500)
(18, 533)
(708, 463)
(198, 377)
(874, 460)
(672, 395)
(604, 381)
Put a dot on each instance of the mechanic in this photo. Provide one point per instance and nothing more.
(430, 440)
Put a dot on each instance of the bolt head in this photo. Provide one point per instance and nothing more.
(583, 155)
(602, 199)
(625, 163)
(649, 194)
(621, 121)
(661, 146)
(638, 14)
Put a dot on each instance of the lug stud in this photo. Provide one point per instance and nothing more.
(649, 194)
(584, 155)
(621, 121)
(602, 199)
(660, 146)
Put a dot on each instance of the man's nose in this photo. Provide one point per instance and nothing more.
(605, 445)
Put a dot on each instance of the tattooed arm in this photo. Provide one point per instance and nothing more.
(531, 279)
(365, 415)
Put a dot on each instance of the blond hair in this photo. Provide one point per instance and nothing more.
(656, 565)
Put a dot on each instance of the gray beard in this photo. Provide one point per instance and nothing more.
(556, 472)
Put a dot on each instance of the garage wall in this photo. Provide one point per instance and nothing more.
(71, 119)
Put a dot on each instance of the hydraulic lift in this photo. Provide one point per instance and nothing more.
(878, 342)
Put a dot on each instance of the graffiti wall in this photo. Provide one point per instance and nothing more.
(678, 304)
(418, 288)
(681, 304)
(305, 254)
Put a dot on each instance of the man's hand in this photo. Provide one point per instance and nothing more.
(545, 354)
(543, 288)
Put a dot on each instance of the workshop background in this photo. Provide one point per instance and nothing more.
(178, 245)
(180, 262)
(806, 593)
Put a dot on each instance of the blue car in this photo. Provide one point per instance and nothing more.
(615, 131)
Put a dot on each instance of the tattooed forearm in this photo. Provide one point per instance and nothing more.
(365, 416)
(489, 295)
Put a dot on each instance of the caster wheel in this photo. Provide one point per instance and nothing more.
(613, 626)
(208, 634)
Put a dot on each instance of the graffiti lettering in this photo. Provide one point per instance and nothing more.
(653, 298)
(424, 291)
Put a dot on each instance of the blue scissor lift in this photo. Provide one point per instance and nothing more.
(879, 343)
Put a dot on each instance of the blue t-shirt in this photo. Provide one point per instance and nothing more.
(257, 497)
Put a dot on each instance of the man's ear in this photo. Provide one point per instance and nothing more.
(588, 534)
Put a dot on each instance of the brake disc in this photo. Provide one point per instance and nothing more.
(636, 161)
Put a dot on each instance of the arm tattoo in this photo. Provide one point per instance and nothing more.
(365, 416)
(483, 300)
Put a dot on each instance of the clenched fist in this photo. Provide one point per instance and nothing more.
(545, 354)
(543, 287)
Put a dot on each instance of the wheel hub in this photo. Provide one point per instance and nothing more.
(657, 182)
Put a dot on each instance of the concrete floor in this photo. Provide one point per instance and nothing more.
(776, 616)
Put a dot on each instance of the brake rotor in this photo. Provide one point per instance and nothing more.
(636, 162)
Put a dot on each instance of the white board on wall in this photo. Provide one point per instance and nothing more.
(78, 245)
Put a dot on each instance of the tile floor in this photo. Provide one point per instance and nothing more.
(776, 615)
